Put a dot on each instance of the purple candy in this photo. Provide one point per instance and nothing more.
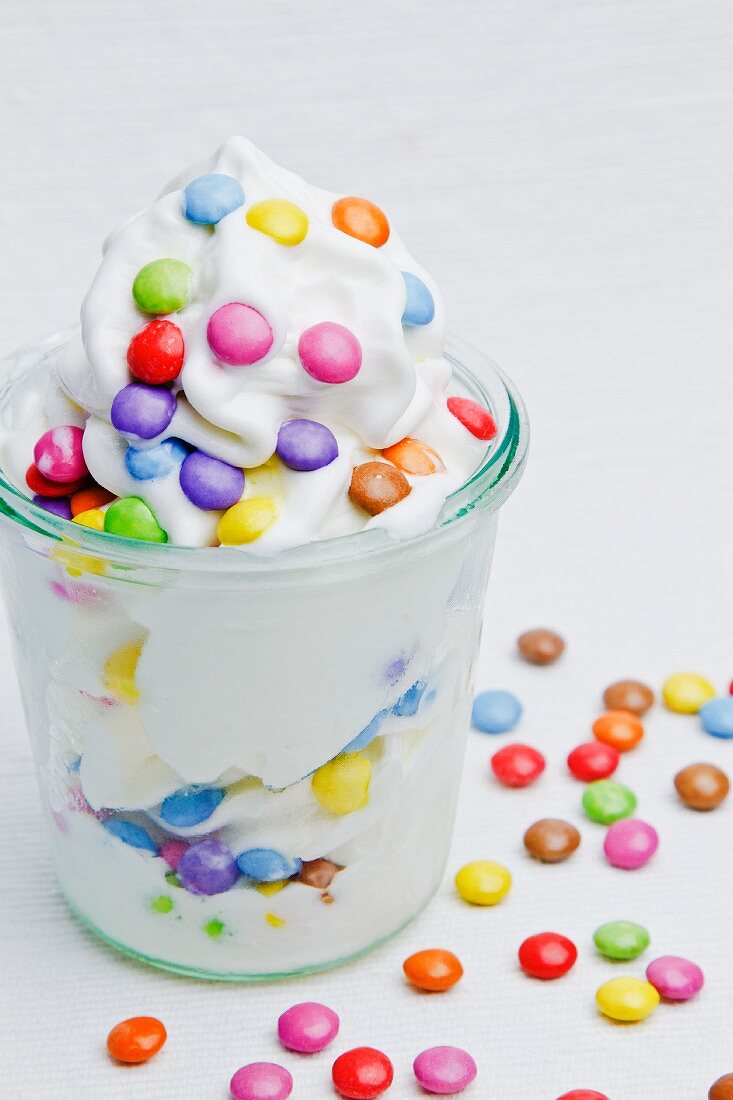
(142, 411)
(208, 868)
(261, 1081)
(60, 506)
(674, 978)
(306, 445)
(444, 1070)
(210, 483)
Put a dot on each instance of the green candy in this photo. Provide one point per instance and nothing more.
(163, 904)
(606, 801)
(621, 939)
(214, 928)
(163, 286)
(131, 518)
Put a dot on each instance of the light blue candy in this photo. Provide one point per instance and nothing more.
(159, 461)
(420, 306)
(266, 865)
(190, 806)
(210, 198)
(368, 734)
(74, 765)
(717, 716)
(495, 711)
(409, 703)
(131, 834)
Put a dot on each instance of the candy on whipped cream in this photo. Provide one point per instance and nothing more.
(252, 342)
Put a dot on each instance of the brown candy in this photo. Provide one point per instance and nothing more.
(376, 486)
(551, 840)
(722, 1089)
(628, 695)
(540, 647)
(318, 873)
(702, 787)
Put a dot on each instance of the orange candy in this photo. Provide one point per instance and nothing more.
(619, 728)
(136, 1040)
(413, 457)
(434, 970)
(87, 499)
(361, 219)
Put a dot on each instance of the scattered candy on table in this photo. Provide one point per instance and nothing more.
(483, 882)
(261, 1081)
(540, 646)
(308, 1027)
(717, 717)
(621, 939)
(444, 1071)
(619, 728)
(630, 844)
(551, 840)
(547, 955)
(376, 486)
(583, 1094)
(627, 999)
(593, 760)
(674, 978)
(607, 801)
(136, 1040)
(362, 1073)
(517, 765)
(629, 695)
(685, 692)
(702, 786)
(495, 711)
(433, 970)
(722, 1089)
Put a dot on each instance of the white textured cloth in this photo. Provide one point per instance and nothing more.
(564, 170)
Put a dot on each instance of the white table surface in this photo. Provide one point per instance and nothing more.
(564, 169)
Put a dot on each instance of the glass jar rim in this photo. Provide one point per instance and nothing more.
(486, 489)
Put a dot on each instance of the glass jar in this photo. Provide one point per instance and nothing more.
(250, 766)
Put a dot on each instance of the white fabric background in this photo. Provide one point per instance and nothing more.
(564, 169)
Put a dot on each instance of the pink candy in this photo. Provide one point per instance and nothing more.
(308, 1027)
(261, 1081)
(444, 1070)
(675, 979)
(58, 454)
(239, 335)
(330, 352)
(630, 843)
(172, 851)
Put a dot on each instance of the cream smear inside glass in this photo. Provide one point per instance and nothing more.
(248, 512)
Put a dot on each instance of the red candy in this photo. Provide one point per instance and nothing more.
(155, 354)
(44, 487)
(477, 420)
(547, 955)
(583, 1094)
(517, 765)
(594, 760)
(362, 1073)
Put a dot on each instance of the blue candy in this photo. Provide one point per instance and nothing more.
(190, 806)
(495, 711)
(420, 306)
(368, 734)
(131, 834)
(266, 865)
(717, 716)
(210, 198)
(409, 703)
(159, 461)
(74, 765)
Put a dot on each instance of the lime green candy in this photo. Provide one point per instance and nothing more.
(621, 939)
(163, 286)
(131, 518)
(163, 904)
(214, 928)
(606, 801)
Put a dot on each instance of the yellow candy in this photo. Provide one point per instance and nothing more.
(342, 785)
(685, 692)
(77, 564)
(274, 921)
(269, 889)
(119, 671)
(279, 219)
(628, 999)
(246, 521)
(93, 518)
(483, 882)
